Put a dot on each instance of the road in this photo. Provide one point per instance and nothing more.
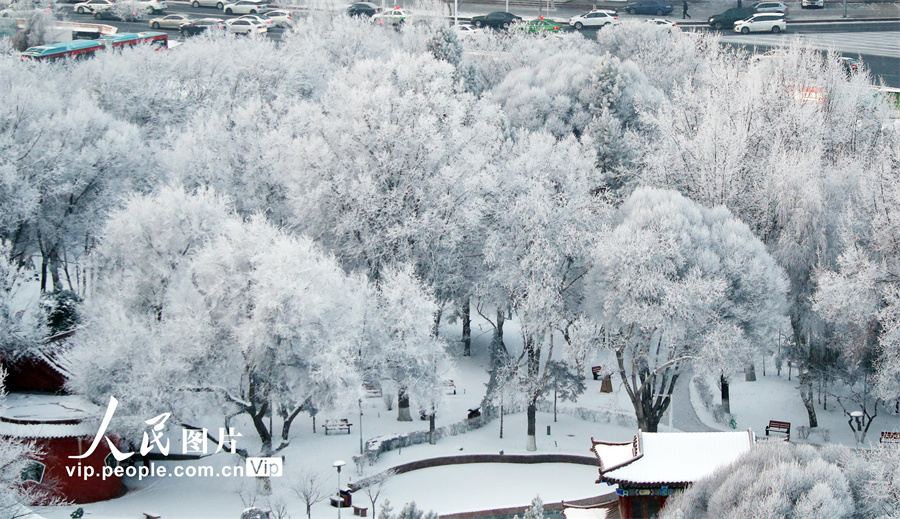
(876, 42)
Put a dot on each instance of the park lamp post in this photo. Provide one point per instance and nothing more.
(338, 464)
(360, 428)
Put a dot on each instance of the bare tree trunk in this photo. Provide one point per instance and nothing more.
(806, 394)
(467, 327)
(726, 398)
(531, 444)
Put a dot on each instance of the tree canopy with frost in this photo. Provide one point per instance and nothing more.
(673, 282)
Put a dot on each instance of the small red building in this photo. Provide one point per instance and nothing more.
(654, 466)
(35, 409)
(61, 426)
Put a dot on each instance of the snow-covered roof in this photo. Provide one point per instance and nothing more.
(586, 513)
(670, 458)
(54, 352)
(27, 415)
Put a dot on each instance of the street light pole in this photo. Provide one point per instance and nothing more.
(360, 428)
(338, 464)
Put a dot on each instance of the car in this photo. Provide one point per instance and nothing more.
(851, 65)
(200, 26)
(218, 4)
(117, 14)
(770, 7)
(649, 7)
(497, 20)
(812, 3)
(465, 30)
(261, 18)
(243, 7)
(727, 19)
(662, 21)
(363, 9)
(279, 17)
(541, 25)
(150, 6)
(395, 16)
(761, 22)
(172, 21)
(238, 26)
(92, 5)
(596, 18)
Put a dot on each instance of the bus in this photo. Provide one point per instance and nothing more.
(159, 40)
(77, 49)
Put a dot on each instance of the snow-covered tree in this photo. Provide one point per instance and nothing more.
(401, 346)
(802, 481)
(673, 281)
(540, 224)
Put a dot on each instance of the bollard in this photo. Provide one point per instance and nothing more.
(548, 430)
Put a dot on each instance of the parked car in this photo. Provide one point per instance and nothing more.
(851, 65)
(770, 7)
(200, 26)
(218, 4)
(812, 3)
(598, 18)
(662, 21)
(541, 25)
(497, 20)
(117, 15)
(395, 16)
(172, 21)
(92, 5)
(727, 19)
(279, 17)
(244, 7)
(465, 30)
(649, 7)
(261, 18)
(238, 26)
(363, 9)
(761, 22)
(151, 6)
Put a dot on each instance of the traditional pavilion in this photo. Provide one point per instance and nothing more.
(37, 409)
(654, 466)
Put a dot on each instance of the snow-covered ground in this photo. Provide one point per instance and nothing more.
(457, 488)
(774, 397)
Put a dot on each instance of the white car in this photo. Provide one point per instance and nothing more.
(771, 7)
(172, 21)
(598, 18)
(394, 16)
(662, 21)
(261, 18)
(151, 6)
(465, 30)
(92, 5)
(280, 17)
(244, 7)
(812, 3)
(761, 22)
(238, 26)
(218, 4)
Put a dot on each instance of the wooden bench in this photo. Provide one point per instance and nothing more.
(360, 510)
(148, 515)
(331, 426)
(451, 387)
(596, 372)
(779, 427)
(889, 437)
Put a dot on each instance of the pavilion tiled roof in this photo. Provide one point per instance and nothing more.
(669, 459)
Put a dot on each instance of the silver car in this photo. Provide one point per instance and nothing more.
(172, 21)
